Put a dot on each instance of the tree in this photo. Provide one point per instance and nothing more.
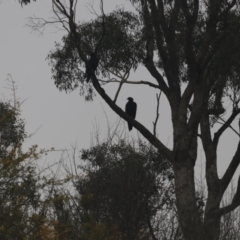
(120, 191)
(11, 128)
(22, 202)
(19, 187)
(180, 43)
(124, 188)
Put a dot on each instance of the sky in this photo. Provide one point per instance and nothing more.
(62, 120)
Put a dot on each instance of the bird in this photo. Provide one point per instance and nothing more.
(91, 65)
(131, 110)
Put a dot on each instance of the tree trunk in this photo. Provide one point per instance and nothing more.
(189, 217)
(212, 221)
(212, 228)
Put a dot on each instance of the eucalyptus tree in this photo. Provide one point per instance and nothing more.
(191, 49)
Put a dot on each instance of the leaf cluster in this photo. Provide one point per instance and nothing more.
(12, 131)
(120, 51)
(25, 2)
(125, 187)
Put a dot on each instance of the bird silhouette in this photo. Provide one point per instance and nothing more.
(91, 65)
(131, 110)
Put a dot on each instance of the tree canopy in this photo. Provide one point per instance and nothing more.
(191, 50)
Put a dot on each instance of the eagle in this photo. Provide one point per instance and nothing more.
(131, 110)
(91, 65)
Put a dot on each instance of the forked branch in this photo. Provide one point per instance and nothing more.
(227, 123)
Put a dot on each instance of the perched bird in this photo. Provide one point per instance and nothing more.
(92, 65)
(131, 110)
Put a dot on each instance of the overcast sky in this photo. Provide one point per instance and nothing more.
(66, 118)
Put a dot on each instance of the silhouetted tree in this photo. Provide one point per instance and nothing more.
(191, 50)
(125, 188)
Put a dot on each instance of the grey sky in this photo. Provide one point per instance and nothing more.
(67, 118)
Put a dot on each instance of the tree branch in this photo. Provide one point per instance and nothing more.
(227, 177)
(163, 38)
(131, 82)
(157, 114)
(159, 38)
(230, 127)
(169, 35)
(144, 131)
(235, 202)
(120, 86)
(214, 10)
(103, 28)
(148, 61)
(61, 8)
(210, 153)
(154, 72)
(220, 131)
(162, 19)
(174, 17)
(190, 24)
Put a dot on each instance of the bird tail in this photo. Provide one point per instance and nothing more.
(129, 126)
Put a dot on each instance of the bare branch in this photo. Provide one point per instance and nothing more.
(227, 177)
(154, 72)
(230, 126)
(157, 114)
(174, 16)
(120, 85)
(227, 123)
(57, 11)
(235, 202)
(91, 9)
(145, 132)
(61, 8)
(38, 24)
(210, 152)
(131, 82)
(190, 24)
(148, 61)
(159, 36)
(103, 28)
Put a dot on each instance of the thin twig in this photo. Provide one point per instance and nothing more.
(120, 85)
(157, 114)
(103, 27)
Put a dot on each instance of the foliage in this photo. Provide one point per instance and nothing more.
(19, 184)
(120, 51)
(124, 188)
(21, 187)
(191, 50)
(25, 2)
(19, 193)
(11, 128)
